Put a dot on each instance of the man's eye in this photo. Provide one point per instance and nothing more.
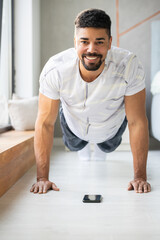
(100, 43)
(84, 42)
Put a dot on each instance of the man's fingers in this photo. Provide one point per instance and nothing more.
(130, 187)
(43, 187)
(36, 189)
(140, 188)
(146, 188)
(40, 189)
(54, 187)
(32, 188)
(149, 187)
(135, 186)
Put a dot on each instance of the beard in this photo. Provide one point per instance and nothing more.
(92, 66)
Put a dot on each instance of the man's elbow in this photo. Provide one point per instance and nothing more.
(43, 124)
(140, 122)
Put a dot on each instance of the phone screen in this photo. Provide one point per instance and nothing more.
(92, 198)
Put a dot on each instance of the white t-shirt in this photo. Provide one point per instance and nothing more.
(93, 111)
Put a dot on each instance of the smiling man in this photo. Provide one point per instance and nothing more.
(91, 61)
(100, 88)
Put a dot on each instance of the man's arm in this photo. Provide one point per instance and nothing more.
(43, 141)
(139, 139)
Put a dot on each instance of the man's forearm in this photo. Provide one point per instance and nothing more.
(43, 144)
(139, 141)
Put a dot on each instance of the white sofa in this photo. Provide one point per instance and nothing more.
(155, 116)
(155, 106)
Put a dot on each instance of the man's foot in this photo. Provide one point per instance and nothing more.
(98, 154)
(84, 154)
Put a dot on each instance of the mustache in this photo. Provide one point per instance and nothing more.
(91, 55)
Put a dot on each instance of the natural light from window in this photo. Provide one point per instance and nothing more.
(5, 62)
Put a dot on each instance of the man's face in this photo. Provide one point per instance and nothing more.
(92, 45)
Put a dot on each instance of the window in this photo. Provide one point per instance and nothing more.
(6, 59)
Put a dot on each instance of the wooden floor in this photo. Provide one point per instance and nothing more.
(122, 215)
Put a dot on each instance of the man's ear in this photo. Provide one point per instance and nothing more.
(110, 43)
(75, 42)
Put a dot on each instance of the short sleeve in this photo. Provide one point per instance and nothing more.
(49, 84)
(134, 76)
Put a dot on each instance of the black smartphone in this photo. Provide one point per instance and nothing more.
(92, 198)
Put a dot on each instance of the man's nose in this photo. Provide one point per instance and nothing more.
(91, 48)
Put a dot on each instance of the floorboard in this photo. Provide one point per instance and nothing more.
(63, 216)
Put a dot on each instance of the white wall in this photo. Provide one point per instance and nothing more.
(27, 47)
(57, 29)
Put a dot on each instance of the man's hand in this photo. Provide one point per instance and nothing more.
(139, 185)
(43, 187)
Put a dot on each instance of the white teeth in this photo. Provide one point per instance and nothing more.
(91, 58)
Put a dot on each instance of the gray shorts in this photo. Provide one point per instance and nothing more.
(74, 143)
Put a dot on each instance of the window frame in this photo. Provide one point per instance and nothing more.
(8, 127)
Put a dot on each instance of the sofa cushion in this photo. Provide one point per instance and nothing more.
(23, 113)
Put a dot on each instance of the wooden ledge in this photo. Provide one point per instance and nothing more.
(12, 138)
(16, 157)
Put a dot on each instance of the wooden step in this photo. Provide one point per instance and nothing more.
(16, 157)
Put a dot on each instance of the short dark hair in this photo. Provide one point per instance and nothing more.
(95, 18)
